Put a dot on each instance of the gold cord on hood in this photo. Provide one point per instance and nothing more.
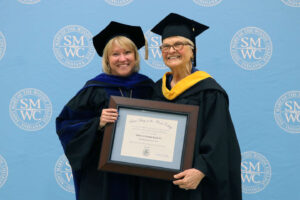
(183, 84)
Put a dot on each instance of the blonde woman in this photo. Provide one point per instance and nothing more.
(81, 122)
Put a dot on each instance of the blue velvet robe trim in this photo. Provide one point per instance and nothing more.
(70, 122)
(75, 120)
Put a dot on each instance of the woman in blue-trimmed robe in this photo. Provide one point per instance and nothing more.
(81, 123)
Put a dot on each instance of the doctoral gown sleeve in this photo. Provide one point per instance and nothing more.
(218, 155)
(77, 125)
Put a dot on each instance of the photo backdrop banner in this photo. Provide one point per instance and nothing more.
(46, 56)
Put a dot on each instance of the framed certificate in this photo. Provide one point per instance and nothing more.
(150, 138)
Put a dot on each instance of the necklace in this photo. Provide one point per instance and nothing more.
(130, 96)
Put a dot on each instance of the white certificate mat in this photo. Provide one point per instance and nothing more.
(149, 138)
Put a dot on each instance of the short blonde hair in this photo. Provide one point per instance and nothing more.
(192, 45)
(123, 42)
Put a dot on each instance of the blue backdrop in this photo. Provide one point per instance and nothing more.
(46, 55)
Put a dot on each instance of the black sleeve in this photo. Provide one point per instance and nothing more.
(77, 125)
(218, 153)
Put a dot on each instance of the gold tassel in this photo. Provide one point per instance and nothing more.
(146, 48)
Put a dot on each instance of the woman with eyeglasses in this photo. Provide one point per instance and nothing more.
(216, 173)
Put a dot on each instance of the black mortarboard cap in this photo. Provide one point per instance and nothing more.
(177, 25)
(134, 33)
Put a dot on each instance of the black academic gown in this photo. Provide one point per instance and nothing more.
(216, 154)
(77, 128)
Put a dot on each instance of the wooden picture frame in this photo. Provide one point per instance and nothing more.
(150, 138)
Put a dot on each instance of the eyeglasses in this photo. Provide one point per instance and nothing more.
(177, 46)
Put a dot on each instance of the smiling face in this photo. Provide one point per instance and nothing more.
(180, 57)
(120, 57)
(121, 60)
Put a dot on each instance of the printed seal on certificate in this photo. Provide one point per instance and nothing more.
(150, 138)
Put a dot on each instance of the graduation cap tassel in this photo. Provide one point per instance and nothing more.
(146, 49)
(194, 60)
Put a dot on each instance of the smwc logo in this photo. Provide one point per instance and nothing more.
(72, 46)
(3, 171)
(207, 3)
(292, 3)
(287, 112)
(251, 48)
(256, 172)
(30, 109)
(63, 174)
(2, 45)
(29, 1)
(119, 2)
(155, 56)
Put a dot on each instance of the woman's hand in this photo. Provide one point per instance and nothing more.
(108, 115)
(189, 179)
